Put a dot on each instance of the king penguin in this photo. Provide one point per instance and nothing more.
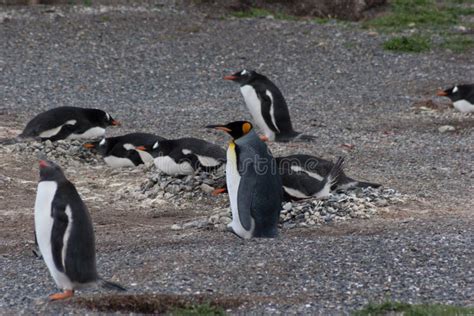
(462, 97)
(120, 151)
(64, 233)
(253, 183)
(267, 106)
(318, 169)
(68, 122)
(183, 156)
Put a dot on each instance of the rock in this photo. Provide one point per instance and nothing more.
(446, 128)
(206, 188)
(176, 227)
(287, 206)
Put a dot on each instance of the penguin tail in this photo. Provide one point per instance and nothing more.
(305, 138)
(111, 285)
(362, 184)
(336, 172)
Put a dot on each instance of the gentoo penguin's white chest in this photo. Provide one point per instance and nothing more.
(94, 132)
(233, 182)
(118, 162)
(44, 222)
(464, 106)
(167, 165)
(255, 107)
(51, 132)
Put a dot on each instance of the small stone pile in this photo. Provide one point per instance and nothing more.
(160, 185)
(63, 152)
(340, 206)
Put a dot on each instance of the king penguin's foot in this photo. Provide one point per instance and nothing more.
(263, 138)
(61, 296)
(216, 192)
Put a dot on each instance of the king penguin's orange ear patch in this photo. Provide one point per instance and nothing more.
(246, 127)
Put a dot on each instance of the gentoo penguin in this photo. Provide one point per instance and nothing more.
(299, 185)
(64, 233)
(462, 97)
(183, 156)
(68, 122)
(120, 151)
(253, 183)
(318, 169)
(267, 106)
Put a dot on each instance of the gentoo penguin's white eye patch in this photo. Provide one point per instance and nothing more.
(102, 142)
(155, 146)
(455, 89)
(244, 72)
(108, 116)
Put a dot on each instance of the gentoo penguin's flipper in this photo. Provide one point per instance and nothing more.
(266, 109)
(111, 285)
(60, 225)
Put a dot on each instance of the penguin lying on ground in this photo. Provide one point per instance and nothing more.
(184, 156)
(462, 97)
(300, 185)
(267, 106)
(318, 169)
(120, 151)
(68, 122)
(64, 233)
(253, 183)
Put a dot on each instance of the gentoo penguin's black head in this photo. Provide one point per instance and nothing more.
(101, 118)
(242, 77)
(49, 171)
(456, 93)
(235, 129)
(101, 146)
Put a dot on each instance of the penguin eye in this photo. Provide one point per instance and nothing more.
(102, 142)
(155, 146)
(455, 89)
(244, 72)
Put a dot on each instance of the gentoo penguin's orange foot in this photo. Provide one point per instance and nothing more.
(216, 192)
(61, 296)
(263, 138)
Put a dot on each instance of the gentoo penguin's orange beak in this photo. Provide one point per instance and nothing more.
(43, 163)
(88, 145)
(115, 123)
(230, 77)
(441, 93)
(140, 148)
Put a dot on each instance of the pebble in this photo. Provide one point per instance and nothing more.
(446, 128)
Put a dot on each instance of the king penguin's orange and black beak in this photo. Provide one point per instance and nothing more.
(235, 129)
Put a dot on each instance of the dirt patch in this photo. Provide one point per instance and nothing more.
(155, 303)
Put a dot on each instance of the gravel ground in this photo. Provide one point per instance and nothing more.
(159, 68)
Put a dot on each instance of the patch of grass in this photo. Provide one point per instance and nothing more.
(391, 308)
(202, 310)
(412, 44)
(426, 18)
(321, 20)
(260, 13)
(458, 44)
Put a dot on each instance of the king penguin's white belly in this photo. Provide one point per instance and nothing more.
(169, 166)
(118, 162)
(91, 133)
(54, 131)
(43, 228)
(254, 105)
(233, 182)
(464, 106)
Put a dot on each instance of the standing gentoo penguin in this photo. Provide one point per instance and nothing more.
(120, 151)
(462, 97)
(68, 122)
(183, 156)
(267, 106)
(299, 185)
(318, 169)
(253, 183)
(64, 232)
